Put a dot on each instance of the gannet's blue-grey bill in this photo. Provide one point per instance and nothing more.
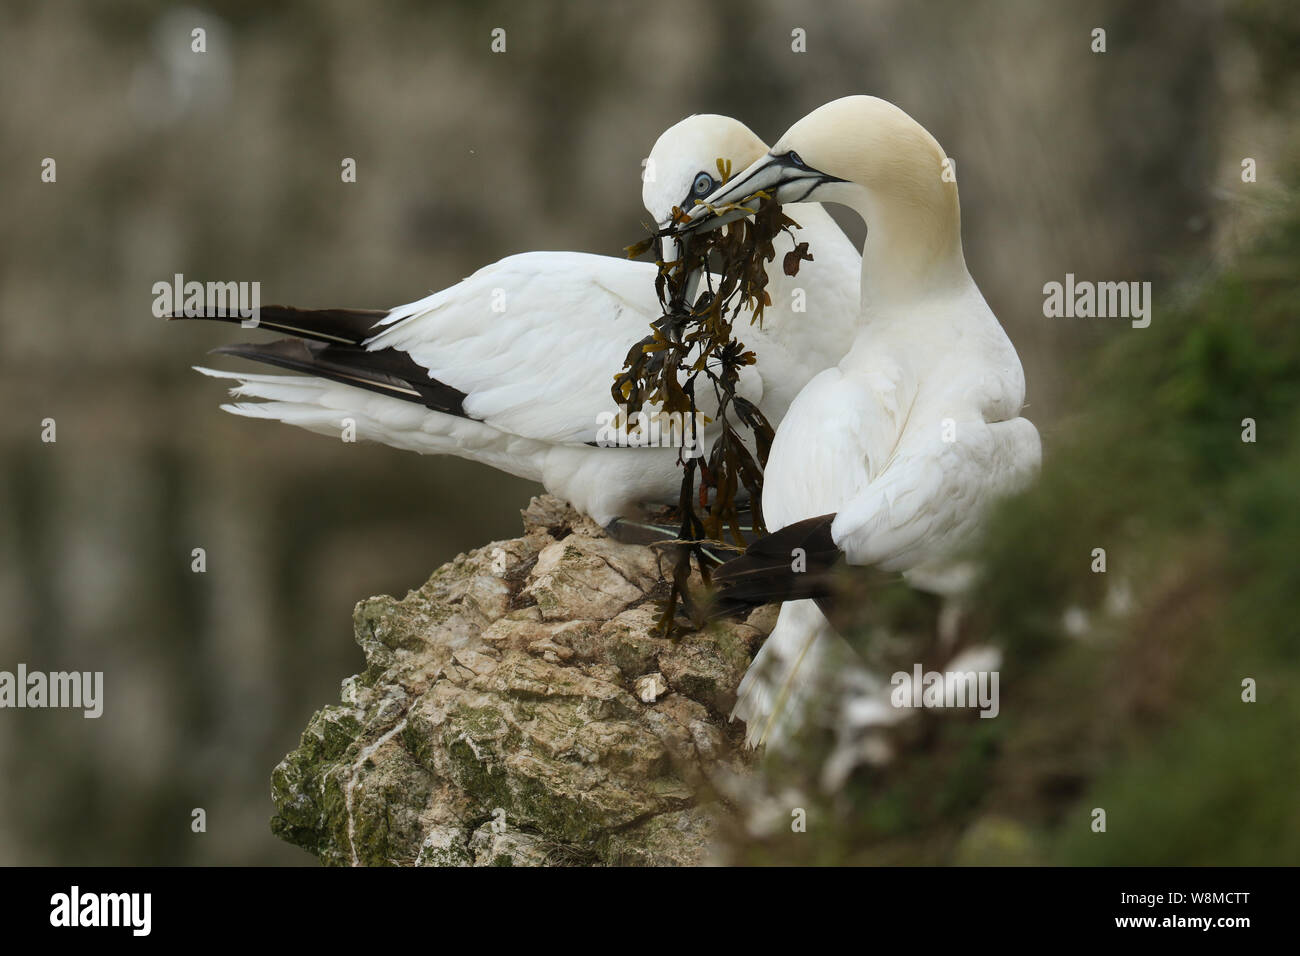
(785, 176)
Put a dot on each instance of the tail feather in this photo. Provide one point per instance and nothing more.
(326, 407)
(314, 418)
(776, 689)
(331, 326)
(272, 388)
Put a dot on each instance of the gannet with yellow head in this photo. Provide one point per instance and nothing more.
(892, 457)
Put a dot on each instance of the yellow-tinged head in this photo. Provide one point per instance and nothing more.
(865, 153)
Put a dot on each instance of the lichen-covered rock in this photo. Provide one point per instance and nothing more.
(520, 709)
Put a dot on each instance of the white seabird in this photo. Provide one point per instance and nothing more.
(524, 388)
(892, 457)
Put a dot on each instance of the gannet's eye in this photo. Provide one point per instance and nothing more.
(796, 159)
(704, 184)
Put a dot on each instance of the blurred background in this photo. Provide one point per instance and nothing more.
(1123, 165)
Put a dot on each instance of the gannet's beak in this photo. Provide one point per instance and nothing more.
(785, 177)
(670, 250)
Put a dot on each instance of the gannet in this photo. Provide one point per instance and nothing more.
(891, 457)
(512, 367)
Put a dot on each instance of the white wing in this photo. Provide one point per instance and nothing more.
(932, 495)
(534, 340)
(840, 432)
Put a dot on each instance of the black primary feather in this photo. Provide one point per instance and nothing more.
(766, 572)
(386, 371)
(332, 326)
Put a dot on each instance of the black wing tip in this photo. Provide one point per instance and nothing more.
(227, 315)
(765, 574)
(387, 371)
(239, 349)
(332, 326)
